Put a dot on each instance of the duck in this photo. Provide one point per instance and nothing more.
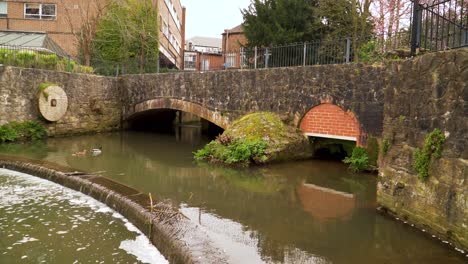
(79, 153)
(96, 151)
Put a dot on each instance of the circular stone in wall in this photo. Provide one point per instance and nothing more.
(53, 103)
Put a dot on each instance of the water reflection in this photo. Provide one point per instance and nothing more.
(301, 212)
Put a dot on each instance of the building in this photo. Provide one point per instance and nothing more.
(203, 54)
(234, 39)
(60, 18)
(233, 42)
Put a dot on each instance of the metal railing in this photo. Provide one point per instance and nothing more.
(41, 58)
(334, 51)
(439, 25)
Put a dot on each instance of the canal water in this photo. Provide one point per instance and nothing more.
(43, 222)
(311, 211)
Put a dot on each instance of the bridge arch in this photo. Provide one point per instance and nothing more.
(328, 120)
(214, 117)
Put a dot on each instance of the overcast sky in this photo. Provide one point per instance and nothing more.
(209, 18)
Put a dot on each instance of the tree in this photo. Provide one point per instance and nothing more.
(274, 22)
(82, 19)
(346, 19)
(129, 33)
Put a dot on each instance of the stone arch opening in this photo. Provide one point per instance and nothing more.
(160, 115)
(334, 130)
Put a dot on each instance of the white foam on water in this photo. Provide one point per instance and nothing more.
(141, 247)
(26, 239)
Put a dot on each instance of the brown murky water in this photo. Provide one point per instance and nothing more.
(300, 212)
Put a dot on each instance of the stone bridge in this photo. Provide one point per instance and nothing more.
(335, 101)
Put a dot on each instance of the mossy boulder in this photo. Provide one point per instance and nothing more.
(257, 138)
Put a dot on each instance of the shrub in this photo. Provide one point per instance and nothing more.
(7, 134)
(369, 52)
(238, 151)
(48, 61)
(359, 160)
(25, 59)
(28, 130)
(432, 149)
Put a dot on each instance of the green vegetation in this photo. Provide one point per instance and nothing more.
(32, 59)
(275, 22)
(44, 86)
(20, 131)
(359, 160)
(432, 149)
(128, 34)
(257, 138)
(385, 146)
(370, 52)
(236, 152)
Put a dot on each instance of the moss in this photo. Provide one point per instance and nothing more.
(257, 138)
(385, 146)
(401, 119)
(44, 86)
(257, 125)
(372, 151)
(431, 150)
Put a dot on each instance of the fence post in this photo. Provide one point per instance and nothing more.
(117, 71)
(348, 50)
(305, 54)
(255, 55)
(266, 58)
(69, 63)
(416, 24)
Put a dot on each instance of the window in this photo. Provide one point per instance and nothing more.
(40, 11)
(166, 30)
(190, 61)
(3, 9)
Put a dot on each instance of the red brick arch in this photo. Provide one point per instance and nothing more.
(330, 121)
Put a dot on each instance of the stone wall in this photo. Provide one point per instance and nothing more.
(290, 92)
(94, 102)
(423, 94)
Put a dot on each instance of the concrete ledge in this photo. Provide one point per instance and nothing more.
(178, 239)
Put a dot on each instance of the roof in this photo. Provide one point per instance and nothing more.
(30, 40)
(206, 42)
(237, 29)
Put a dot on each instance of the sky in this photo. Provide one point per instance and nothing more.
(209, 18)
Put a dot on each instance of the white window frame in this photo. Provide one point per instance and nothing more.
(4, 15)
(40, 16)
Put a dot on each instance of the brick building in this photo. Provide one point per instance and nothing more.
(59, 18)
(233, 41)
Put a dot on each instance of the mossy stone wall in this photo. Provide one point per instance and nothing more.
(94, 102)
(424, 94)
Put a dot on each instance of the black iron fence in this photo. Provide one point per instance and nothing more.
(439, 25)
(322, 52)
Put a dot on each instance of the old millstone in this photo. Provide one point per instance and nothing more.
(53, 103)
